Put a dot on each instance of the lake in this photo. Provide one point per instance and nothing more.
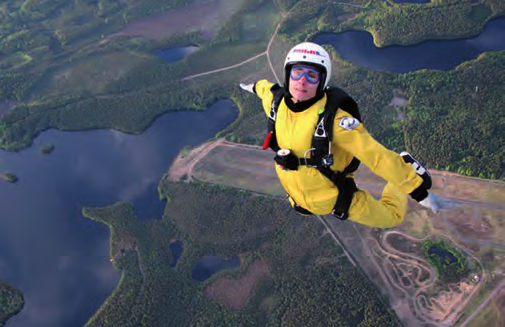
(358, 48)
(55, 256)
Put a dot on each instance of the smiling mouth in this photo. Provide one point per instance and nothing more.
(300, 90)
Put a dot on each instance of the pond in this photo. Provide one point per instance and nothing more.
(358, 47)
(445, 255)
(176, 249)
(209, 265)
(54, 255)
(175, 54)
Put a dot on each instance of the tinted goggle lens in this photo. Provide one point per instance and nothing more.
(311, 75)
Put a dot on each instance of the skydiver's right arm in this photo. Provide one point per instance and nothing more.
(262, 90)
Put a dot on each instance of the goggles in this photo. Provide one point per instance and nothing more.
(312, 75)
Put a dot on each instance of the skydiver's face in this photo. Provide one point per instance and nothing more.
(303, 82)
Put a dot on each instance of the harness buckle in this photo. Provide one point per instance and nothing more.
(327, 160)
(320, 131)
(272, 114)
(305, 159)
(341, 215)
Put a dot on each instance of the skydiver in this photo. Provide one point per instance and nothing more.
(323, 183)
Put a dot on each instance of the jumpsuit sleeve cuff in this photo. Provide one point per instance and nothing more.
(419, 193)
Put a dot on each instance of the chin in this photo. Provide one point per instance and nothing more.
(303, 97)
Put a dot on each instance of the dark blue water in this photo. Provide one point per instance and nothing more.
(209, 265)
(175, 54)
(176, 248)
(358, 47)
(444, 254)
(54, 255)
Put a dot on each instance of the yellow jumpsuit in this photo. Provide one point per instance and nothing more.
(311, 190)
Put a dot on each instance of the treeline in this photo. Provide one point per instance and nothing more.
(456, 120)
(309, 17)
(448, 262)
(408, 24)
(216, 220)
(11, 302)
(388, 22)
(130, 112)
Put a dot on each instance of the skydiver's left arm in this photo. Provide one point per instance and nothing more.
(353, 137)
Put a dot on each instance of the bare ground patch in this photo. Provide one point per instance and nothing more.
(233, 293)
(471, 224)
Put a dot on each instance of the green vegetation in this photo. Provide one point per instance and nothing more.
(449, 263)
(308, 281)
(47, 148)
(389, 22)
(489, 316)
(89, 81)
(11, 302)
(469, 106)
(9, 177)
(408, 24)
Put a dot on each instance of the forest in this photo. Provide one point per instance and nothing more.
(307, 284)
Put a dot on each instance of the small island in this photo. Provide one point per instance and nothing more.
(11, 178)
(11, 302)
(47, 148)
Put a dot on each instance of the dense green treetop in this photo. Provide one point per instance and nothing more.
(308, 282)
(11, 302)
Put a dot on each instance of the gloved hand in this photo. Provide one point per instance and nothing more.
(432, 202)
(247, 87)
(287, 162)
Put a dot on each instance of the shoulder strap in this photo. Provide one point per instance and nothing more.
(321, 142)
(278, 93)
(338, 98)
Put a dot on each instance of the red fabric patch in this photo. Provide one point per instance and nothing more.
(268, 139)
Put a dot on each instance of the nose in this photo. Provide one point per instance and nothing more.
(303, 80)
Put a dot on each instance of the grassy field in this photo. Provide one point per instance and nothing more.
(491, 316)
(90, 74)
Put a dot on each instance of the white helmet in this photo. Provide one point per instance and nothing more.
(312, 54)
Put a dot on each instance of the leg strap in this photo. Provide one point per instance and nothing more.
(346, 189)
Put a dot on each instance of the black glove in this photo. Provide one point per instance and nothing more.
(288, 162)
